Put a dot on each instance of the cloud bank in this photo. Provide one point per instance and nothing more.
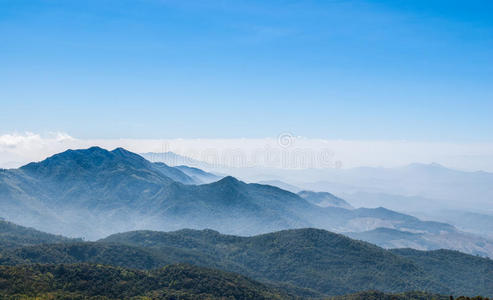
(284, 151)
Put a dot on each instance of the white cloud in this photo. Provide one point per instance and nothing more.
(285, 151)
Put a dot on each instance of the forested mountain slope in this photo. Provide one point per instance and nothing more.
(13, 236)
(306, 262)
(83, 281)
(316, 259)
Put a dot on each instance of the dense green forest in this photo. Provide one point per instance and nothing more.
(91, 281)
(326, 262)
(454, 268)
(303, 262)
(80, 281)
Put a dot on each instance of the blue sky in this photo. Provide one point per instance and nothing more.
(366, 70)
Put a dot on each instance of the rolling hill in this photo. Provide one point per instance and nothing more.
(454, 267)
(15, 236)
(304, 262)
(321, 261)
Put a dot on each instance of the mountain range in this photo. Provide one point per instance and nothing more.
(301, 263)
(431, 191)
(434, 184)
(94, 192)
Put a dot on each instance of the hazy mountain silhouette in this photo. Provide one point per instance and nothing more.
(95, 192)
(281, 185)
(324, 199)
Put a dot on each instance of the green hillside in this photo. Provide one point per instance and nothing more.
(84, 281)
(12, 236)
(309, 258)
(471, 275)
(305, 262)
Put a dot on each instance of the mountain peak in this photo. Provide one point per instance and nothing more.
(229, 180)
(93, 159)
(124, 153)
(121, 150)
(65, 157)
(94, 149)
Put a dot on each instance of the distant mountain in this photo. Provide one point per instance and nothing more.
(198, 175)
(427, 181)
(391, 238)
(281, 185)
(429, 185)
(175, 174)
(94, 192)
(82, 281)
(324, 199)
(174, 160)
(456, 240)
(478, 222)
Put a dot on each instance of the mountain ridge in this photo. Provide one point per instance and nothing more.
(96, 192)
(307, 262)
(308, 250)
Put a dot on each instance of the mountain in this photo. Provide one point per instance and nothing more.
(94, 192)
(198, 175)
(96, 161)
(86, 252)
(175, 174)
(392, 238)
(304, 262)
(174, 160)
(454, 267)
(97, 192)
(15, 236)
(473, 220)
(444, 186)
(75, 187)
(83, 281)
(476, 222)
(322, 261)
(281, 185)
(424, 185)
(324, 199)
